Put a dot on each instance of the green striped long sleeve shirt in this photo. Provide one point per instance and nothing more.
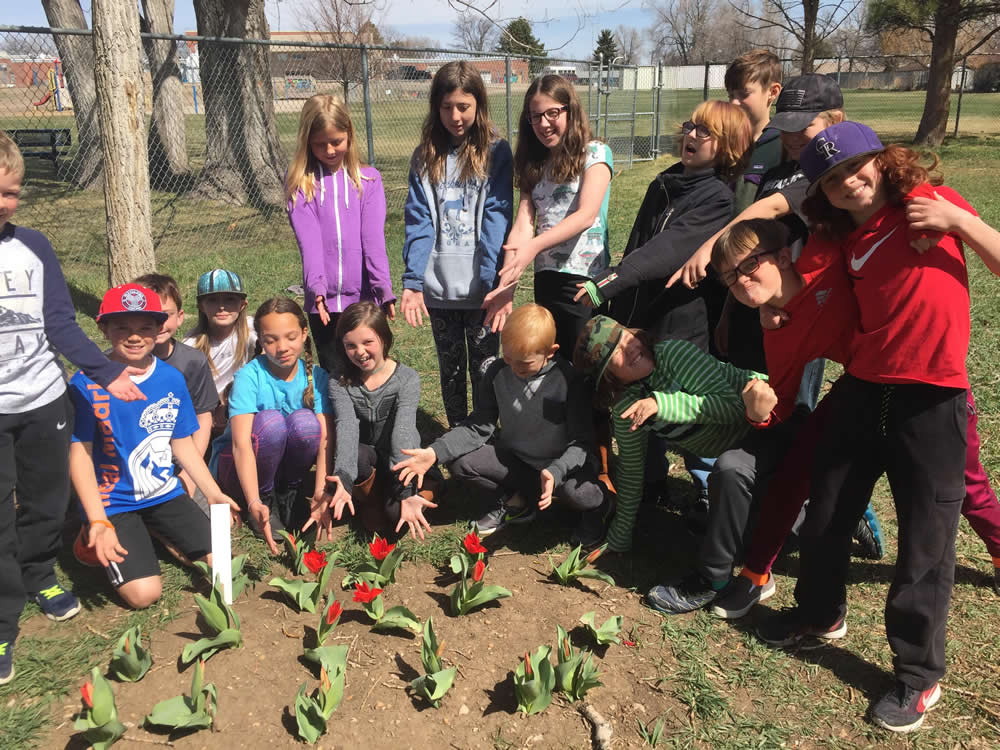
(699, 407)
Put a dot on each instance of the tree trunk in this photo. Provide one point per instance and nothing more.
(937, 104)
(121, 106)
(77, 55)
(167, 141)
(244, 161)
(810, 11)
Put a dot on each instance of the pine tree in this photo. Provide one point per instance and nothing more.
(606, 44)
(523, 43)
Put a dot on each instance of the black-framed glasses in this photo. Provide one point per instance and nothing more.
(550, 114)
(701, 131)
(744, 268)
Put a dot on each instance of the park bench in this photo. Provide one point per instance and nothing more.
(45, 143)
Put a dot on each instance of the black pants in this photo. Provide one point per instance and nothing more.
(554, 291)
(34, 461)
(325, 339)
(460, 337)
(493, 468)
(387, 491)
(916, 434)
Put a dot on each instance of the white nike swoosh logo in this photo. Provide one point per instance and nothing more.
(857, 263)
(60, 425)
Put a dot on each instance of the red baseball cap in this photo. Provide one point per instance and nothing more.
(131, 298)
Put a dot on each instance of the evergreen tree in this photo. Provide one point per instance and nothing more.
(518, 40)
(606, 45)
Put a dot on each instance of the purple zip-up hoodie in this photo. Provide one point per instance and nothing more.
(341, 236)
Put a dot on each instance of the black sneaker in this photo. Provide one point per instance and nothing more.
(790, 628)
(691, 593)
(284, 501)
(57, 603)
(590, 532)
(740, 596)
(6, 662)
(503, 516)
(902, 709)
(868, 535)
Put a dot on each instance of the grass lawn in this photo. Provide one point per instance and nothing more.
(708, 666)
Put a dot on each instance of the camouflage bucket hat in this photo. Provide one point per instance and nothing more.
(597, 343)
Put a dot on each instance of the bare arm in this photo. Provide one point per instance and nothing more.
(101, 536)
(941, 215)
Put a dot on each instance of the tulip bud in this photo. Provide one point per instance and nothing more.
(594, 555)
(87, 691)
(527, 666)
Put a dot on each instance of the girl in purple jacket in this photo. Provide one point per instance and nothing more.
(337, 211)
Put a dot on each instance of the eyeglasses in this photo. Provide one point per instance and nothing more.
(550, 114)
(744, 268)
(700, 131)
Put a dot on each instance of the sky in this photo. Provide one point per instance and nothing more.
(557, 23)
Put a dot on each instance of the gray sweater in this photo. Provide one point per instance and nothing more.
(385, 418)
(546, 420)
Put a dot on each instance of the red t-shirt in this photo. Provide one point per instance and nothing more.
(823, 318)
(914, 307)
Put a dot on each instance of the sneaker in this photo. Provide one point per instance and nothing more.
(85, 555)
(590, 532)
(789, 628)
(740, 596)
(868, 535)
(6, 662)
(902, 708)
(503, 516)
(691, 593)
(57, 603)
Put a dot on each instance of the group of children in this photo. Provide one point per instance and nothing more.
(766, 245)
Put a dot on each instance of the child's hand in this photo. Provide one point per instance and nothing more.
(930, 219)
(124, 389)
(389, 308)
(104, 541)
(694, 270)
(341, 497)
(497, 308)
(640, 411)
(582, 296)
(771, 317)
(419, 463)
(324, 314)
(413, 308)
(319, 514)
(759, 399)
(411, 512)
(548, 487)
(261, 515)
(516, 260)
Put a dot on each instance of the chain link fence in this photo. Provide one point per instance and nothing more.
(222, 117)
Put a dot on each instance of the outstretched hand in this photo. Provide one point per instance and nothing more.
(419, 463)
(261, 516)
(124, 389)
(548, 487)
(411, 513)
(639, 412)
(341, 497)
(694, 270)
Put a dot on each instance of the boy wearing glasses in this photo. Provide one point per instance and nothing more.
(755, 262)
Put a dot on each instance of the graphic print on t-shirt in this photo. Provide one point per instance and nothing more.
(150, 462)
(22, 329)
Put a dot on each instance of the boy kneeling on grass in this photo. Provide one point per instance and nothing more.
(537, 409)
(121, 456)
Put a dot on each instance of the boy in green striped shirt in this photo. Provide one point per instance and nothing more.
(687, 397)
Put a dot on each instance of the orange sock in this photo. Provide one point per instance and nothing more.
(996, 562)
(757, 579)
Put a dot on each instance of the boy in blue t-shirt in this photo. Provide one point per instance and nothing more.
(121, 458)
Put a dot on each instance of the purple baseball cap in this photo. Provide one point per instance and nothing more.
(835, 145)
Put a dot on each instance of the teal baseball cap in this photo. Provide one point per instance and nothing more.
(220, 281)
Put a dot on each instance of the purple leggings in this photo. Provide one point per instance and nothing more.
(285, 449)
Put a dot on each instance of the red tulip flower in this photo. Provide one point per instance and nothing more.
(87, 691)
(333, 613)
(364, 594)
(380, 548)
(315, 561)
(472, 544)
(479, 571)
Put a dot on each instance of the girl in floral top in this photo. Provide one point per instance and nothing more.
(562, 219)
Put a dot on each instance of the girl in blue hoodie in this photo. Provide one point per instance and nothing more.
(458, 213)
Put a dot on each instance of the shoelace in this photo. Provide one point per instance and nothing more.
(52, 591)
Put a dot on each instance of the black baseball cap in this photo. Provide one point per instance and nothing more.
(804, 97)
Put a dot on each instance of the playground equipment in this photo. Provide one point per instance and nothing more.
(53, 92)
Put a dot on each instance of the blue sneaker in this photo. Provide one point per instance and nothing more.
(6, 662)
(868, 535)
(57, 603)
(692, 593)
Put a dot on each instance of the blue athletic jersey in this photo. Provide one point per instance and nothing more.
(131, 439)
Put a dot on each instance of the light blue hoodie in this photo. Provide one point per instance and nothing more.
(454, 259)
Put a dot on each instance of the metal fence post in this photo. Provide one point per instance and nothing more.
(510, 129)
(590, 91)
(961, 88)
(635, 98)
(704, 91)
(838, 71)
(366, 89)
(600, 69)
(656, 121)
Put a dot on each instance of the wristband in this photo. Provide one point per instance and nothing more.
(765, 423)
(251, 503)
(102, 522)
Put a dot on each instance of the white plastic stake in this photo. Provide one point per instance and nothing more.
(222, 553)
